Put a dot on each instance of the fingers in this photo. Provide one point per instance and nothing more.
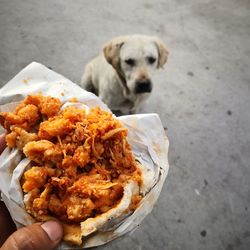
(45, 236)
(7, 226)
(2, 143)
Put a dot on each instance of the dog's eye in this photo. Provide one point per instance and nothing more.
(130, 62)
(151, 60)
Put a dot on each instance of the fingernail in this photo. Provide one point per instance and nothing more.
(53, 230)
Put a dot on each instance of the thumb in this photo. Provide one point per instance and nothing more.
(37, 236)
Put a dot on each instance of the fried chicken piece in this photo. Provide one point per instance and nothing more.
(70, 170)
(36, 177)
(33, 99)
(79, 134)
(11, 139)
(101, 122)
(106, 195)
(50, 106)
(61, 183)
(91, 185)
(43, 151)
(56, 206)
(78, 208)
(54, 155)
(19, 138)
(81, 156)
(24, 137)
(40, 204)
(29, 113)
(24, 117)
(54, 127)
(103, 193)
(36, 150)
(7, 119)
(29, 197)
(74, 114)
(47, 105)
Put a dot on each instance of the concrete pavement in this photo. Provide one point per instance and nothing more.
(202, 97)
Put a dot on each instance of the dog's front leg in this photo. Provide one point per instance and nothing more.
(86, 81)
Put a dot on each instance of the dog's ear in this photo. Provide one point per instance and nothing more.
(163, 52)
(111, 52)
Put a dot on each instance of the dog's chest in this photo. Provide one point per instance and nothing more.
(118, 102)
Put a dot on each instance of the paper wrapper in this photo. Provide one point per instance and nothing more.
(146, 135)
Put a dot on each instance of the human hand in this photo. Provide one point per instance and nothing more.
(37, 236)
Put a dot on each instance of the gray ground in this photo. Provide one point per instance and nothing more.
(202, 96)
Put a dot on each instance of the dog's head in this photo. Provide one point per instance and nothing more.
(135, 58)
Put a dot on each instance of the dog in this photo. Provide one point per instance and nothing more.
(121, 74)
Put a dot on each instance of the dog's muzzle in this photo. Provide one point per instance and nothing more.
(143, 86)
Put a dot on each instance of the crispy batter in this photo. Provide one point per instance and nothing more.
(54, 127)
(82, 160)
(42, 150)
(47, 105)
(36, 177)
(19, 138)
(74, 114)
(24, 117)
(81, 156)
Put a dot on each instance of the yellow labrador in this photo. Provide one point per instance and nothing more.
(121, 74)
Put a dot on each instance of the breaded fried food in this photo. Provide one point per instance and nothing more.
(82, 171)
(47, 105)
(19, 137)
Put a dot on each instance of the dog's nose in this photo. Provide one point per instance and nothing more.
(143, 86)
